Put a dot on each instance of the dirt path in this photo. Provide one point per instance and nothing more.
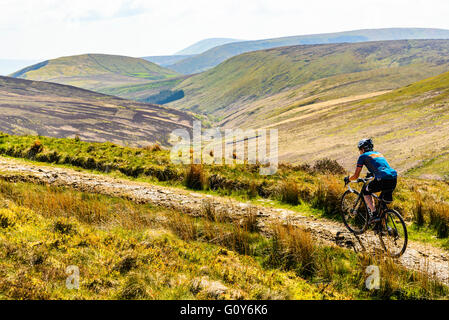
(417, 257)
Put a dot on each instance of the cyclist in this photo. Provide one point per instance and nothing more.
(385, 176)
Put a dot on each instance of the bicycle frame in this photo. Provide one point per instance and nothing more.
(381, 205)
(365, 182)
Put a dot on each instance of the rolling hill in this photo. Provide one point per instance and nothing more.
(49, 109)
(217, 55)
(96, 72)
(409, 125)
(324, 98)
(280, 77)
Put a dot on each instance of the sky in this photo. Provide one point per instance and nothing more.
(46, 29)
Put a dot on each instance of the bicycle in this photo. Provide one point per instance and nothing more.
(357, 219)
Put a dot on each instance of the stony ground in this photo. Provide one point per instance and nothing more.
(418, 256)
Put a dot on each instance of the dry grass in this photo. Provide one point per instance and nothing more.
(439, 219)
(289, 192)
(428, 209)
(418, 212)
(208, 211)
(195, 177)
(398, 283)
(250, 222)
(35, 148)
(116, 253)
(183, 226)
(293, 248)
(328, 195)
(328, 166)
(53, 202)
(153, 147)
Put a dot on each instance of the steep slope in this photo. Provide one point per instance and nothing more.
(42, 108)
(146, 92)
(96, 72)
(204, 45)
(409, 125)
(216, 55)
(280, 77)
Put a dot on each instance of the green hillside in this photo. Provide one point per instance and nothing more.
(217, 55)
(409, 125)
(335, 70)
(96, 72)
(43, 108)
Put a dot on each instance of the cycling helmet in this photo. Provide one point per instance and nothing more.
(366, 144)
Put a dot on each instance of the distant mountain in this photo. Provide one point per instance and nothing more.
(218, 54)
(204, 45)
(43, 108)
(97, 72)
(164, 61)
(8, 66)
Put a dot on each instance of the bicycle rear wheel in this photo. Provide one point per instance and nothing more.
(354, 212)
(393, 235)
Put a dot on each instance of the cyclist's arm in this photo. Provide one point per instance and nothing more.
(360, 164)
(356, 174)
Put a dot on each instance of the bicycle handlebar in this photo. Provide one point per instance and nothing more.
(360, 180)
(364, 180)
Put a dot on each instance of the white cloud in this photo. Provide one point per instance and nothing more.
(31, 29)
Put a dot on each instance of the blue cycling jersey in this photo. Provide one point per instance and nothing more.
(377, 165)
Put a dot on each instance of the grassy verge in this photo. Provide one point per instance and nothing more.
(132, 251)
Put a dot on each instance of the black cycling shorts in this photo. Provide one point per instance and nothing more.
(385, 186)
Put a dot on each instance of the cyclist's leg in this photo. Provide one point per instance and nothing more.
(367, 191)
(372, 187)
(388, 187)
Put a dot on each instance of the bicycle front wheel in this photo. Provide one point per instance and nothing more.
(354, 212)
(393, 235)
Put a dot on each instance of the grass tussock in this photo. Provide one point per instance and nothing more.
(328, 195)
(329, 166)
(35, 148)
(153, 148)
(289, 192)
(195, 177)
(432, 212)
(293, 248)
